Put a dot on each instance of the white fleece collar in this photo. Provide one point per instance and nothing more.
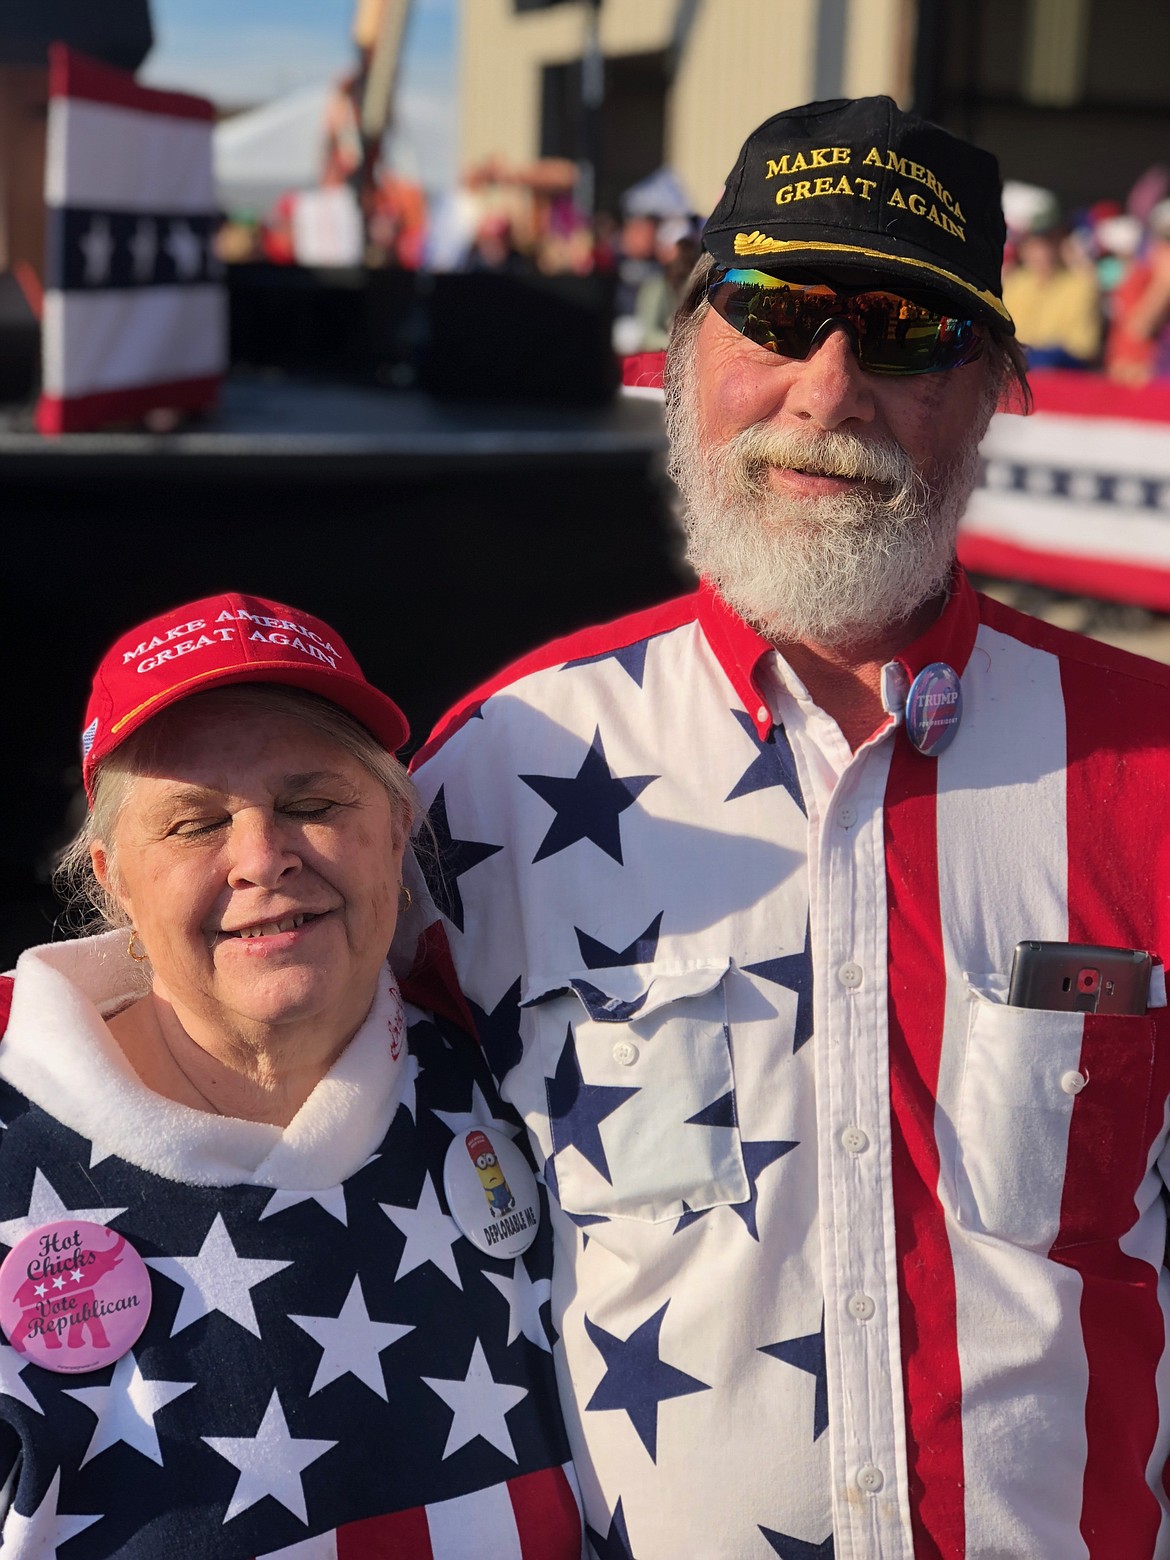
(59, 1054)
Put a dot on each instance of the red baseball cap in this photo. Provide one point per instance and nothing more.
(215, 642)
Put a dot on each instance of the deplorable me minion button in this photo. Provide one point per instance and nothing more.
(74, 1296)
(491, 1192)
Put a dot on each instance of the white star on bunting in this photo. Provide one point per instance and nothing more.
(430, 1234)
(98, 248)
(39, 1536)
(126, 1408)
(144, 249)
(479, 1404)
(331, 1198)
(270, 1462)
(351, 1343)
(525, 1299)
(217, 1279)
(185, 250)
(45, 1207)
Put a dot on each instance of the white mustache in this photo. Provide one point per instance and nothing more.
(746, 458)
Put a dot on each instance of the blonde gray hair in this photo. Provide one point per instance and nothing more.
(90, 907)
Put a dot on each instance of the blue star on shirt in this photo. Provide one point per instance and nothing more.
(756, 1158)
(636, 1377)
(587, 804)
(796, 1548)
(795, 971)
(597, 956)
(616, 1544)
(499, 1030)
(581, 1107)
(808, 1354)
(452, 859)
(631, 658)
(720, 1113)
(772, 765)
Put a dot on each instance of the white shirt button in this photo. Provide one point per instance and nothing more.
(860, 1307)
(625, 1052)
(762, 714)
(870, 1479)
(846, 816)
(855, 1140)
(1073, 1082)
(849, 975)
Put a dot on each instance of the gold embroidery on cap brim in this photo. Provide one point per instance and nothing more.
(760, 244)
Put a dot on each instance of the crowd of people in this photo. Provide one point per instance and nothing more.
(1092, 291)
(1089, 291)
(513, 221)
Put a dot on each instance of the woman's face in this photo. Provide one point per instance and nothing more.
(260, 864)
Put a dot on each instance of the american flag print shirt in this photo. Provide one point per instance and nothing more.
(853, 1258)
(328, 1371)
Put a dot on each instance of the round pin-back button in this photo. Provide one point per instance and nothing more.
(74, 1296)
(491, 1192)
(934, 707)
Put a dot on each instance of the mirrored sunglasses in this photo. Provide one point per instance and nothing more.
(891, 334)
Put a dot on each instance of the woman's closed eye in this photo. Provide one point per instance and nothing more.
(309, 808)
(193, 828)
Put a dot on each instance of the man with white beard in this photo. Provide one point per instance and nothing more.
(858, 1239)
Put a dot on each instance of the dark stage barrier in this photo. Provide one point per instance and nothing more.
(481, 336)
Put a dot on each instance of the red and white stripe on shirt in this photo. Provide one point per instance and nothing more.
(518, 1520)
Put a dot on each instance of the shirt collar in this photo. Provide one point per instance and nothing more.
(740, 649)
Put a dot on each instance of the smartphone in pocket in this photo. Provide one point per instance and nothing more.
(1080, 978)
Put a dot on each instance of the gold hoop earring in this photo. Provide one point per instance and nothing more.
(139, 958)
(405, 898)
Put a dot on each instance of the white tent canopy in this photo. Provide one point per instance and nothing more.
(265, 152)
(262, 153)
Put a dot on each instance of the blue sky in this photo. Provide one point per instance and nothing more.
(247, 51)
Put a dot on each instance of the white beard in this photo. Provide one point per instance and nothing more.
(823, 571)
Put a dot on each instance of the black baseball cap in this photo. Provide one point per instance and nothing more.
(858, 190)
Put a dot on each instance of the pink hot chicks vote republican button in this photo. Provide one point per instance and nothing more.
(74, 1296)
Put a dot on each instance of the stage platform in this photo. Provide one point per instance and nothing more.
(271, 418)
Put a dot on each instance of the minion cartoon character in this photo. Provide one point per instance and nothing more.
(491, 1177)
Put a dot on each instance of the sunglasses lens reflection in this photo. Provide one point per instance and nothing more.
(891, 334)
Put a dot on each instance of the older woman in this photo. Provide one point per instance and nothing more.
(275, 1266)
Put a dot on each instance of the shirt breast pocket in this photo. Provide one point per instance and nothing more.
(1052, 1125)
(640, 1092)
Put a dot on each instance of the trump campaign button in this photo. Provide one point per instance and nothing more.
(934, 707)
(74, 1296)
(491, 1192)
